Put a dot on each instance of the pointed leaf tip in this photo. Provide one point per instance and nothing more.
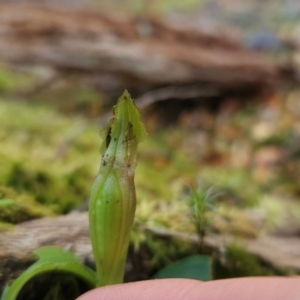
(127, 111)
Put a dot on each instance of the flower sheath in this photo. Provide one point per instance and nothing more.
(113, 198)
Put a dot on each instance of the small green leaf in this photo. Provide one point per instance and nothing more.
(50, 259)
(193, 267)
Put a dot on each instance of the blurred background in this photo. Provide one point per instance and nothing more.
(217, 83)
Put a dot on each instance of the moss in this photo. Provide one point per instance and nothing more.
(62, 192)
(162, 162)
(229, 220)
(11, 81)
(283, 138)
(236, 185)
(44, 155)
(164, 250)
(4, 226)
(23, 208)
(237, 262)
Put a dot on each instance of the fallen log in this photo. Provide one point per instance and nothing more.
(71, 232)
(132, 53)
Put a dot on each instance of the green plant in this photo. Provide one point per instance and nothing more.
(50, 259)
(112, 209)
(201, 202)
(113, 198)
(195, 266)
(111, 214)
(238, 262)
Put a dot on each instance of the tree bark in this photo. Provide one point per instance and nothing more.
(130, 53)
(71, 232)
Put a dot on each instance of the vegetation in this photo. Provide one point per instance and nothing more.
(111, 214)
(50, 158)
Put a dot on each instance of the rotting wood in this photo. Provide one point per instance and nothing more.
(134, 53)
(71, 232)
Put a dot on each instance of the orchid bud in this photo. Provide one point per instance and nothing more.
(113, 198)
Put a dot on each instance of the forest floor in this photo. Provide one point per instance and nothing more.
(246, 151)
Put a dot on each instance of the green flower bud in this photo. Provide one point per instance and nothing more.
(113, 198)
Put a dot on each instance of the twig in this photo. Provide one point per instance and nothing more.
(166, 93)
(174, 92)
